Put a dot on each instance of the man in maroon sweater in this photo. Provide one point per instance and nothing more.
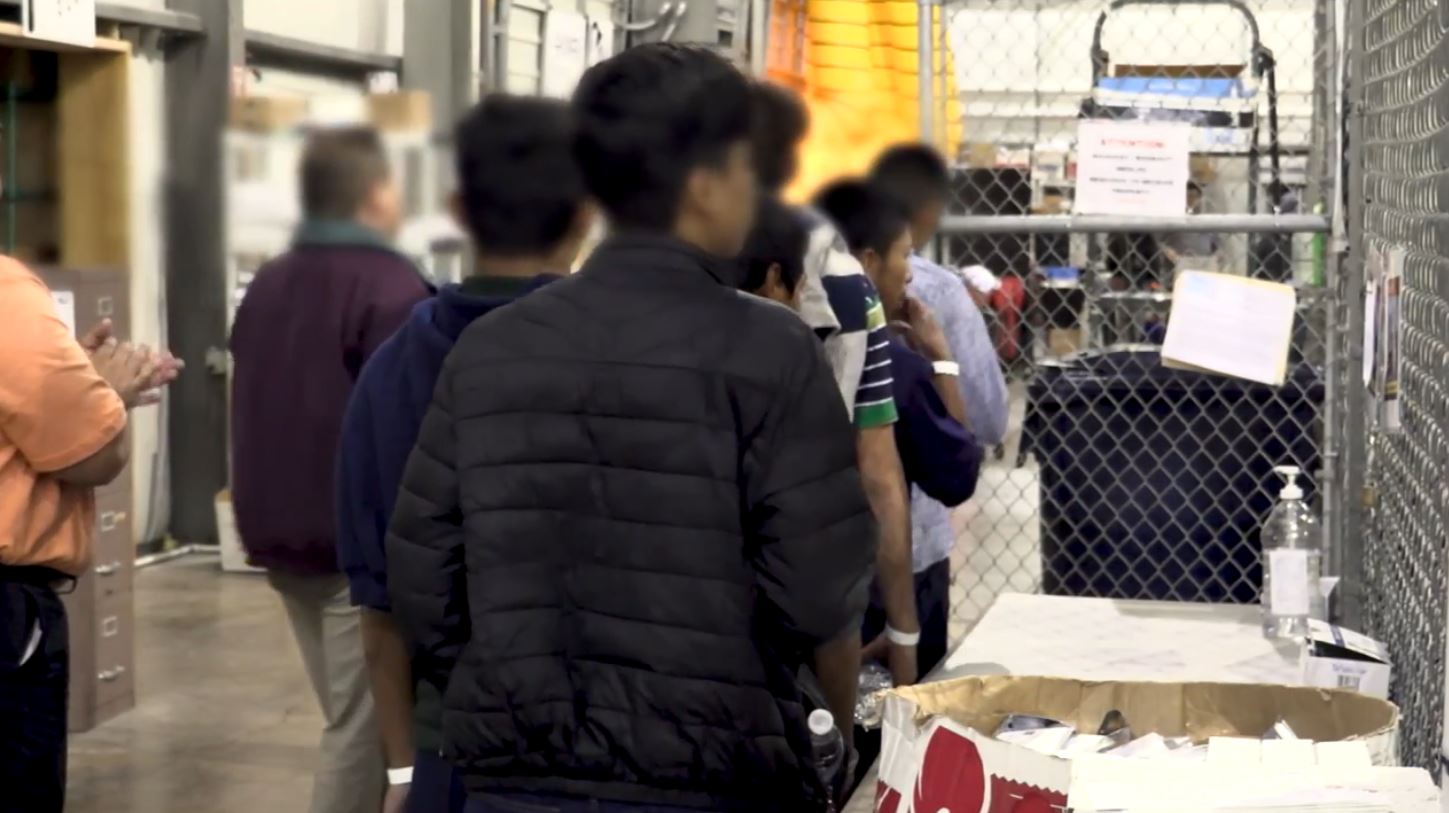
(308, 322)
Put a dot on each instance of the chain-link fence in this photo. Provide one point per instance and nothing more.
(1120, 478)
(1400, 71)
(1248, 74)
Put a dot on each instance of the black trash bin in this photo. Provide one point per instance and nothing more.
(1154, 481)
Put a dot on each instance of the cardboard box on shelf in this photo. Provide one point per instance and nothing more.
(267, 114)
(934, 755)
(1336, 658)
(404, 111)
(1064, 341)
(979, 154)
(1203, 169)
(338, 110)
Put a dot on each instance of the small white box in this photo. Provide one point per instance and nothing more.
(1336, 658)
(233, 555)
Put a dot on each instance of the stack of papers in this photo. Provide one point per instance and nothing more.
(1243, 776)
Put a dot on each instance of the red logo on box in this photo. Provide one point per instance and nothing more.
(953, 779)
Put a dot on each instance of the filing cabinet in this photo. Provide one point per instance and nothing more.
(101, 610)
(101, 607)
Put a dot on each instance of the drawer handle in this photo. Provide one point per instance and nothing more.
(108, 570)
(110, 625)
(111, 675)
(105, 306)
(110, 520)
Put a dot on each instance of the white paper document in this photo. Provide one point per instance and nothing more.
(71, 21)
(565, 52)
(1370, 329)
(1132, 168)
(1101, 784)
(1230, 325)
(65, 307)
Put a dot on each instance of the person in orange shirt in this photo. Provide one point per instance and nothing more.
(63, 406)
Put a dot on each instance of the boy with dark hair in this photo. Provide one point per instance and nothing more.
(772, 263)
(781, 122)
(521, 199)
(838, 301)
(916, 177)
(640, 484)
(309, 321)
(939, 454)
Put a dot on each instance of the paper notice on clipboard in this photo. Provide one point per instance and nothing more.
(1230, 325)
(1370, 329)
(1392, 338)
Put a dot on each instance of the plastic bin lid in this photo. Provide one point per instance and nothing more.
(1137, 370)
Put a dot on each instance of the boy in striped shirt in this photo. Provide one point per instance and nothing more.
(840, 303)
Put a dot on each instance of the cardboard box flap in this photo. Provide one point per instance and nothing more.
(1331, 641)
(1198, 710)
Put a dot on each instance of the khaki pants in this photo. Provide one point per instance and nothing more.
(351, 777)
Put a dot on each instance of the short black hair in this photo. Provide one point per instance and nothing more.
(780, 124)
(648, 117)
(518, 185)
(867, 217)
(913, 174)
(779, 237)
(340, 168)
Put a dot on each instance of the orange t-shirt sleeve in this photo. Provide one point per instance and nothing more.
(54, 407)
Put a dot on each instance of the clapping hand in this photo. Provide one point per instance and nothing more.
(137, 372)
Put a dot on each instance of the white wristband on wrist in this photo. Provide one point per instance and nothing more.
(899, 638)
(400, 776)
(946, 368)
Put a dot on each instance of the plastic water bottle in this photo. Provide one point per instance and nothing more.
(1292, 562)
(828, 748)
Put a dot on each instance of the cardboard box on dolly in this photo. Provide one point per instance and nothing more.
(938, 753)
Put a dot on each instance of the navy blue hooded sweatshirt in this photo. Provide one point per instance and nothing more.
(384, 415)
(381, 426)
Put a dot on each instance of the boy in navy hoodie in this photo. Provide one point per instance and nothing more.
(522, 201)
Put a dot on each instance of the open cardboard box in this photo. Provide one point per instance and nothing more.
(1337, 658)
(935, 757)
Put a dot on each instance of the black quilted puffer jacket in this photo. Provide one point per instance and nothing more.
(632, 513)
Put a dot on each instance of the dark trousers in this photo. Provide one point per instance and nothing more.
(32, 699)
(437, 786)
(933, 610)
(525, 803)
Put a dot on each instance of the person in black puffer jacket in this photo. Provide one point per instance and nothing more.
(633, 528)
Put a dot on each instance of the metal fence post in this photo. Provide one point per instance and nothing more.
(1353, 457)
(925, 44)
(1399, 81)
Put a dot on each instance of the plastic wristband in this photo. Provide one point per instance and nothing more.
(946, 368)
(899, 638)
(400, 776)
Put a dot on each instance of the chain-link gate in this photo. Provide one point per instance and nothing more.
(1400, 61)
(1120, 478)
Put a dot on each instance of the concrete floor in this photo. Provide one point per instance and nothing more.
(224, 720)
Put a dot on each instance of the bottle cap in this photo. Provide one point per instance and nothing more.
(821, 722)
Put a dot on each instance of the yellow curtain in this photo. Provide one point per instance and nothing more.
(856, 63)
